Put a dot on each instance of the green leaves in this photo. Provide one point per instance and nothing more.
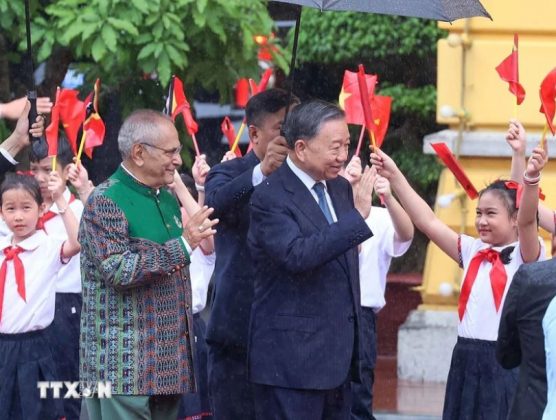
(206, 42)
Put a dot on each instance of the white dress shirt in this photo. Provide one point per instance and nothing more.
(42, 261)
(69, 276)
(200, 270)
(375, 257)
(481, 320)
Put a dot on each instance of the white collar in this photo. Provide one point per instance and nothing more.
(29, 244)
(307, 180)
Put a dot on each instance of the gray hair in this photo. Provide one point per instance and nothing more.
(305, 120)
(142, 126)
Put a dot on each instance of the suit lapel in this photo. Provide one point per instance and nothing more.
(302, 197)
(342, 205)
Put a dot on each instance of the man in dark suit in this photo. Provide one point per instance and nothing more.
(304, 233)
(228, 189)
(521, 337)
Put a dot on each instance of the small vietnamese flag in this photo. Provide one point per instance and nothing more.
(381, 106)
(72, 115)
(350, 97)
(508, 70)
(52, 130)
(444, 153)
(229, 131)
(548, 98)
(365, 101)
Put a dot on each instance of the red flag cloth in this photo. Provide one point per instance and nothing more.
(381, 106)
(453, 165)
(350, 98)
(11, 253)
(93, 125)
(72, 114)
(264, 80)
(52, 130)
(229, 131)
(548, 98)
(178, 103)
(365, 101)
(498, 278)
(508, 70)
(253, 87)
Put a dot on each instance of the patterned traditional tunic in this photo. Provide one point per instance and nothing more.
(136, 318)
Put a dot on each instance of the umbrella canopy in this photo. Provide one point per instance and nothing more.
(444, 10)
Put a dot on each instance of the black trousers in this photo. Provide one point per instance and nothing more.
(230, 392)
(362, 406)
(275, 403)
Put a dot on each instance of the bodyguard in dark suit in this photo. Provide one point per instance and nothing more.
(521, 337)
(228, 189)
(304, 232)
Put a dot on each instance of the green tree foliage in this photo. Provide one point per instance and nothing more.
(208, 43)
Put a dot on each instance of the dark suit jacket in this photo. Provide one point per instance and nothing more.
(228, 189)
(521, 338)
(305, 311)
(5, 165)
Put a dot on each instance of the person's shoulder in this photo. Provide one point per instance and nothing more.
(235, 166)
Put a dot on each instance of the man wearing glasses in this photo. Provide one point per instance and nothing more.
(136, 323)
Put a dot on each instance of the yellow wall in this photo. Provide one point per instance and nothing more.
(489, 105)
(487, 98)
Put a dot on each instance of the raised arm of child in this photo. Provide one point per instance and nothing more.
(199, 171)
(56, 187)
(403, 227)
(191, 207)
(79, 178)
(517, 139)
(527, 213)
(418, 210)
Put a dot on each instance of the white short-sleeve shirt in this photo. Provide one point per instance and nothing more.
(481, 319)
(69, 276)
(375, 257)
(200, 270)
(41, 261)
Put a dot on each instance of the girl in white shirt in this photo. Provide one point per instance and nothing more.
(29, 262)
(478, 387)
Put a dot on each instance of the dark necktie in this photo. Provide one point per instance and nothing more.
(323, 203)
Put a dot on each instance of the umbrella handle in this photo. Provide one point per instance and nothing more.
(32, 97)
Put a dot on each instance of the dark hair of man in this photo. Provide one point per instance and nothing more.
(64, 156)
(24, 182)
(267, 102)
(305, 120)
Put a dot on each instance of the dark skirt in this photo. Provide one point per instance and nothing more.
(26, 359)
(196, 405)
(63, 334)
(478, 387)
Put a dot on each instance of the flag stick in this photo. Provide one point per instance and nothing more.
(53, 163)
(542, 143)
(239, 133)
(81, 145)
(360, 142)
(373, 140)
(196, 145)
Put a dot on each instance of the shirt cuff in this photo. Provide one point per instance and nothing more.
(10, 159)
(187, 246)
(258, 176)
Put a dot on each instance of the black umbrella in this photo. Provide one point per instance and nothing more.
(39, 145)
(443, 10)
